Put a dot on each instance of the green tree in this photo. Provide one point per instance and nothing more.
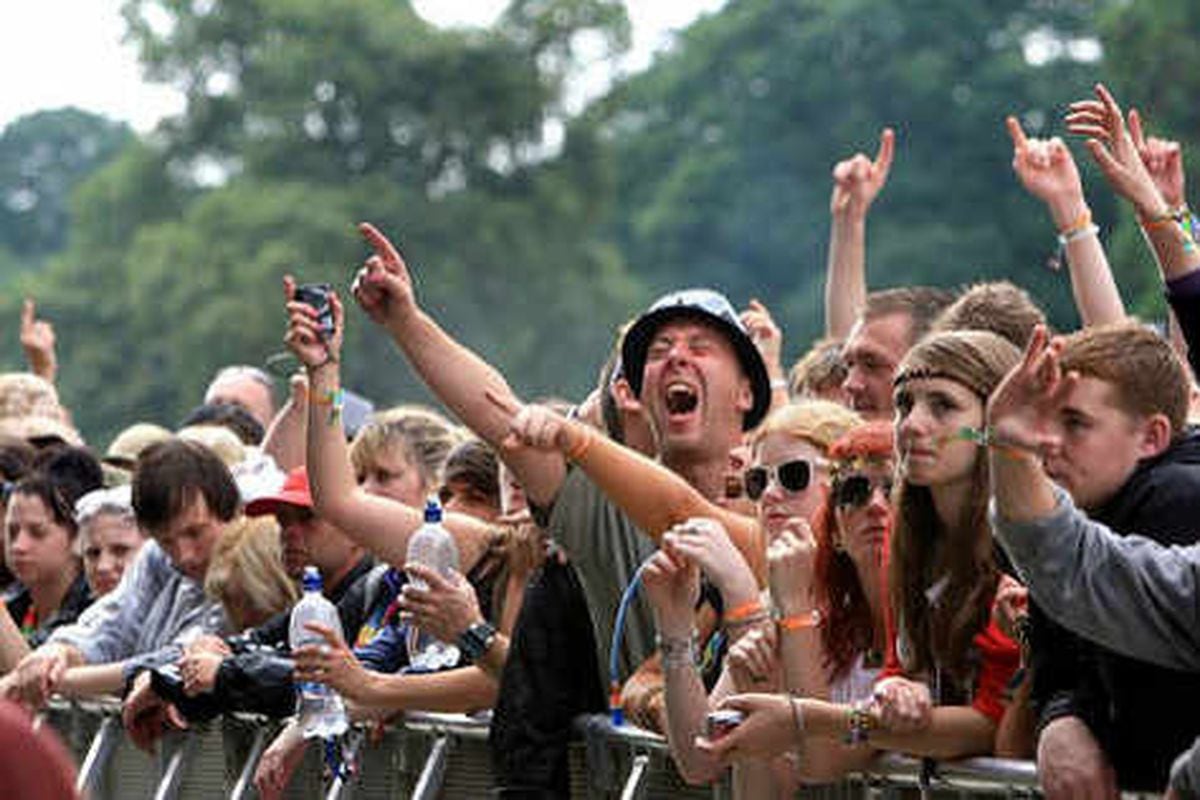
(43, 157)
(726, 144)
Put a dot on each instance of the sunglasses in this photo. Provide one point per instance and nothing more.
(856, 490)
(794, 476)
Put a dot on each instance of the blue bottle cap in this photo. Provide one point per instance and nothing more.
(312, 579)
(433, 510)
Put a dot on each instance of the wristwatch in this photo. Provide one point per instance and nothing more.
(476, 640)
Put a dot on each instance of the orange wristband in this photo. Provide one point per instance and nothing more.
(801, 622)
(1081, 222)
(581, 447)
(744, 611)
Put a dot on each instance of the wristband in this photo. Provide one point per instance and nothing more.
(579, 450)
(801, 622)
(741, 612)
(779, 385)
(678, 651)
(1082, 222)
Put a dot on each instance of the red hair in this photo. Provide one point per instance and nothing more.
(849, 628)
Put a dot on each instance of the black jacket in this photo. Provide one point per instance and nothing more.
(1143, 715)
(257, 677)
(76, 600)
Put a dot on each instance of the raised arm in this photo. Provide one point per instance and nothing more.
(768, 337)
(285, 440)
(37, 340)
(458, 377)
(856, 183)
(380, 524)
(1115, 151)
(1130, 594)
(1048, 172)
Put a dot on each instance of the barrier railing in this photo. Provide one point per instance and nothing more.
(426, 756)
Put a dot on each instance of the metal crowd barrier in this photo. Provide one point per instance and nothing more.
(427, 756)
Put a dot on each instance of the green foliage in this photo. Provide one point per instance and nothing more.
(1152, 46)
(712, 167)
(726, 146)
(43, 157)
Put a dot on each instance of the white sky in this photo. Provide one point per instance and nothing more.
(87, 65)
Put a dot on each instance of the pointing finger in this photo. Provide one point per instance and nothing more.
(380, 244)
(887, 150)
(1016, 133)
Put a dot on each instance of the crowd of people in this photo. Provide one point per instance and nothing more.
(946, 531)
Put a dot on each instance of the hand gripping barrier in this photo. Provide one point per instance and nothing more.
(426, 756)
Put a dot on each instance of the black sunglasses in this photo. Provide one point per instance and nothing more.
(795, 476)
(856, 490)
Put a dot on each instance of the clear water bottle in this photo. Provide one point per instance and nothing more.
(320, 708)
(433, 546)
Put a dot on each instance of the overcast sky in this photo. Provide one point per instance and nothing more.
(55, 53)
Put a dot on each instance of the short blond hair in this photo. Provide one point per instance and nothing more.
(819, 422)
(248, 559)
(426, 436)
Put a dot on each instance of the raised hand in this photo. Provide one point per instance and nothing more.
(706, 542)
(791, 559)
(1114, 150)
(304, 337)
(1048, 172)
(37, 340)
(672, 583)
(753, 660)
(383, 286)
(1163, 159)
(1022, 408)
(766, 335)
(858, 180)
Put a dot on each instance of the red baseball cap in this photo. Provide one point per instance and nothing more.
(294, 492)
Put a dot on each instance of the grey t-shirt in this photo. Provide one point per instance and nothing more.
(606, 549)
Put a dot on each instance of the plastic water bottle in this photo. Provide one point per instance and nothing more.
(433, 546)
(320, 708)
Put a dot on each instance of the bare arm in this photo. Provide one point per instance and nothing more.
(13, 646)
(454, 373)
(285, 440)
(460, 690)
(380, 524)
(856, 183)
(654, 497)
(1048, 172)
(1116, 152)
(91, 680)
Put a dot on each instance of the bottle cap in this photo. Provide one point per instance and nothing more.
(433, 510)
(312, 579)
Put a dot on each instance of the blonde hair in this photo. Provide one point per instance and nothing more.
(426, 436)
(248, 559)
(820, 422)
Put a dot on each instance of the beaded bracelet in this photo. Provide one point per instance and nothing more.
(859, 722)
